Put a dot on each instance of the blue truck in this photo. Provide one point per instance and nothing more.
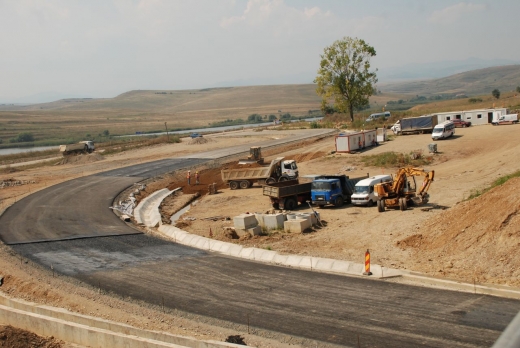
(333, 190)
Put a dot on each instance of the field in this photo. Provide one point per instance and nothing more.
(72, 120)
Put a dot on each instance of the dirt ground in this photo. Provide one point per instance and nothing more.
(475, 240)
(11, 337)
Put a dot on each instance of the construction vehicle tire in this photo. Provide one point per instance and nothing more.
(244, 184)
(380, 205)
(290, 204)
(338, 202)
(283, 178)
(270, 181)
(233, 185)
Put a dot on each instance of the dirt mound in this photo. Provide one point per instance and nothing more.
(15, 338)
(81, 158)
(478, 239)
(200, 140)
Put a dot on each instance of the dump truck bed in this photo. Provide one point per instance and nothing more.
(286, 189)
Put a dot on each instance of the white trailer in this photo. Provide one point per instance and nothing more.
(355, 141)
(476, 117)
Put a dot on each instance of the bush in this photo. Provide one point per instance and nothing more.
(394, 159)
(315, 125)
(22, 138)
(475, 100)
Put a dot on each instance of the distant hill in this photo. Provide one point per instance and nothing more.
(474, 82)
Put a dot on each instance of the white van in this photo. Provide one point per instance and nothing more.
(364, 190)
(443, 130)
(382, 115)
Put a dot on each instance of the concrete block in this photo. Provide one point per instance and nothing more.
(260, 218)
(314, 220)
(297, 225)
(245, 221)
(255, 231)
(305, 216)
(273, 221)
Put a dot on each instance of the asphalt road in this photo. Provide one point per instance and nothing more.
(315, 309)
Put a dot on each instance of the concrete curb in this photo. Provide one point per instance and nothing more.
(273, 257)
(147, 211)
(90, 331)
(329, 265)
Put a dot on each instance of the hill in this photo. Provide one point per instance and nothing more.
(474, 82)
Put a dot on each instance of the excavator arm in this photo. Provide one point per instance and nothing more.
(398, 187)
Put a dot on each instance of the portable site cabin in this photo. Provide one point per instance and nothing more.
(355, 141)
(476, 117)
(381, 135)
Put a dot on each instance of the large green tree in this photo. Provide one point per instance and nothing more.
(344, 75)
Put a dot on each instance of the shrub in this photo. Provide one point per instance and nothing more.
(475, 100)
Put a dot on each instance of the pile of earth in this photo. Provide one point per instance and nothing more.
(474, 241)
(199, 140)
(16, 338)
(81, 158)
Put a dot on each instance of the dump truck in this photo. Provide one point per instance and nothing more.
(415, 125)
(402, 191)
(333, 189)
(83, 146)
(287, 194)
(278, 170)
(255, 156)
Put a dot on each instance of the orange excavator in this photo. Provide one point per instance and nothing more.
(403, 190)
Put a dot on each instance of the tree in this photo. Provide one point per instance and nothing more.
(344, 75)
(518, 89)
(496, 93)
(106, 133)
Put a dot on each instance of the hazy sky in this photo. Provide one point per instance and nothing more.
(101, 48)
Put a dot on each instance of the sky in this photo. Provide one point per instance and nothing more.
(102, 48)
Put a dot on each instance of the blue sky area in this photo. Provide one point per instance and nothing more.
(101, 48)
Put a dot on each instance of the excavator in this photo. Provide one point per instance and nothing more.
(403, 191)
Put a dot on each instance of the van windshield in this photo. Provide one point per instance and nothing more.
(438, 130)
(361, 189)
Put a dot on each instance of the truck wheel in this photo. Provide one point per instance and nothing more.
(244, 184)
(283, 178)
(370, 203)
(86, 148)
(380, 205)
(270, 181)
(276, 206)
(290, 204)
(233, 185)
(338, 202)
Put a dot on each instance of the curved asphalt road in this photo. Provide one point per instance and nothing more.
(315, 309)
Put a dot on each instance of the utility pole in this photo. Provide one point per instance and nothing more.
(167, 136)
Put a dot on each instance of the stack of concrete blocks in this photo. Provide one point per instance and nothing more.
(247, 223)
(269, 222)
(299, 223)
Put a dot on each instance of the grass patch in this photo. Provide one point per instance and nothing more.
(395, 159)
(500, 181)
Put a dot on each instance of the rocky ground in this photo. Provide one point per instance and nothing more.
(472, 241)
